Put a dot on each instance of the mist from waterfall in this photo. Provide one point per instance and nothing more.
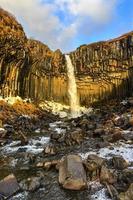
(72, 89)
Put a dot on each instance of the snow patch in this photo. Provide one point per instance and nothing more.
(35, 146)
(119, 149)
(100, 195)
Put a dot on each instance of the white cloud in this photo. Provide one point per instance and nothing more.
(98, 10)
(41, 20)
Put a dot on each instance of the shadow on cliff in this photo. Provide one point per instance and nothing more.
(125, 89)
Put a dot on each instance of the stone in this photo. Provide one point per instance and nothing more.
(77, 136)
(3, 133)
(84, 124)
(31, 184)
(119, 162)
(94, 162)
(8, 186)
(107, 176)
(114, 135)
(50, 149)
(48, 164)
(128, 195)
(93, 165)
(125, 178)
(98, 132)
(72, 174)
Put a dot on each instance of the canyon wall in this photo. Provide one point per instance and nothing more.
(104, 70)
(28, 68)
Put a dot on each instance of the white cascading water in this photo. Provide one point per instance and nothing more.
(72, 89)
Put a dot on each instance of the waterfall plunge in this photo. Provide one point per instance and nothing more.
(72, 89)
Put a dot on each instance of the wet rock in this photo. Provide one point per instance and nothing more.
(23, 138)
(48, 164)
(3, 133)
(55, 136)
(9, 128)
(127, 135)
(8, 186)
(50, 149)
(93, 162)
(118, 121)
(112, 191)
(72, 174)
(128, 195)
(130, 101)
(102, 144)
(84, 124)
(131, 121)
(98, 132)
(93, 165)
(31, 184)
(125, 178)
(113, 136)
(91, 126)
(107, 176)
(119, 162)
(77, 135)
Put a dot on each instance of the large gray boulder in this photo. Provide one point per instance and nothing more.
(72, 174)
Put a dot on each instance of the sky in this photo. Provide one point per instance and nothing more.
(67, 24)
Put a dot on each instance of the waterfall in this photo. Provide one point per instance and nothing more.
(72, 89)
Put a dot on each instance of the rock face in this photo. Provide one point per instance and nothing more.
(104, 69)
(30, 69)
(71, 173)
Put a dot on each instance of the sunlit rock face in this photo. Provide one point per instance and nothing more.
(28, 68)
(13, 54)
(45, 76)
(104, 69)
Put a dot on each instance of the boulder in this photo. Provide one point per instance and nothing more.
(50, 149)
(77, 135)
(93, 164)
(31, 184)
(72, 174)
(8, 186)
(128, 195)
(119, 162)
(107, 176)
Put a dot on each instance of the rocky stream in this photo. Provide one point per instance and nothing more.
(98, 145)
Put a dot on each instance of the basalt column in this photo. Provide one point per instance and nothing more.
(104, 70)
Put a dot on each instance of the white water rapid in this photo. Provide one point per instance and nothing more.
(72, 89)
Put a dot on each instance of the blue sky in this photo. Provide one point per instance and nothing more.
(67, 24)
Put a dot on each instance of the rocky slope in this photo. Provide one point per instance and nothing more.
(30, 69)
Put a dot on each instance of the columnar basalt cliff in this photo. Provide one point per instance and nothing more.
(30, 69)
(104, 69)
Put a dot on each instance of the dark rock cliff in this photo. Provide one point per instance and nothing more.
(30, 69)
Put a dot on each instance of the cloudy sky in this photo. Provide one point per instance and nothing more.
(67, 24)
